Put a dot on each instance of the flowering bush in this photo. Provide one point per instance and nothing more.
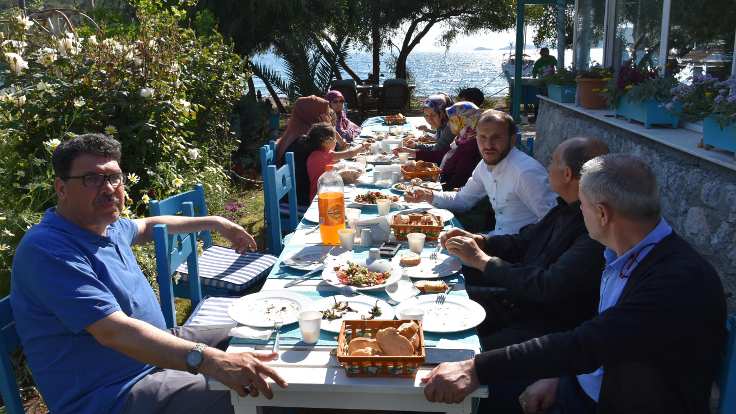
(639, 83)
(706, 95)
(164, 92)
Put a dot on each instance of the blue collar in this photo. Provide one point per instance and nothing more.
(660, 231)
(55, 220)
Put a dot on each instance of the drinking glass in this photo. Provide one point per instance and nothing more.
(416, 242)
(403, 157)
(347, 238)
(352, 215)
(384, 206)
(310, 323)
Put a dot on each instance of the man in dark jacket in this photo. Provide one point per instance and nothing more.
(550, 270)
(657, 341)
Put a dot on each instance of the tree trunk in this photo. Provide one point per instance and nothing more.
(409, 44)
(251, 89)
(376, 41)
(274, 96)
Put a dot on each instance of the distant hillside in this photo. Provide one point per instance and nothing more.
(480, 48)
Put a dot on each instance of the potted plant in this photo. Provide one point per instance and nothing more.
(719, 128)
(561, 86)
(714, 102)
(591, 86)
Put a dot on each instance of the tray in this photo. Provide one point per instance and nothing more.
(377, 366)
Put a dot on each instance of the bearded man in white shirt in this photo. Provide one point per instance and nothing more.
(515, 183)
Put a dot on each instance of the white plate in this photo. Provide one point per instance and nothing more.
(361, 304)
(393, 203)
(329, 275)
(430, 269)
(445, 215)
(457, 314)
(267, 307)
(308, 258)
(398, 190)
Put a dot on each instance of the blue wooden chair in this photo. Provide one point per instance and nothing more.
(222, 271)
(727, 381)
(9, 343)
(278, 182)
(172, 252)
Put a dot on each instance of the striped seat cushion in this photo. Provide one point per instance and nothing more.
(211, 311)
(225, 269)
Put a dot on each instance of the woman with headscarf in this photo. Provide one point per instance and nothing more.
(307, 111)
(459, 162)
(345, 127)
(434, 113)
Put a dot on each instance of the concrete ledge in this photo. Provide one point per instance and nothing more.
(680, 139)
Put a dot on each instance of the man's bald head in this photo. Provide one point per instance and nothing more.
(575, 152)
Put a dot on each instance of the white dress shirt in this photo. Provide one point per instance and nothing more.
(518, 188)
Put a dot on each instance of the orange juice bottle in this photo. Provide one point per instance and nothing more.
(330, 195)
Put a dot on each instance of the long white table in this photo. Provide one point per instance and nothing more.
(315, 378)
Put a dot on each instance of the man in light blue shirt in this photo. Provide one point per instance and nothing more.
(89, 322)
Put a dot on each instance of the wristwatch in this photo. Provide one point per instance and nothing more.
(195, 357)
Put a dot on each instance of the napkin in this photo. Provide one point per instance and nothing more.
(379, 227)
(247, 332)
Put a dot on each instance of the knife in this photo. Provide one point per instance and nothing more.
(306, 276)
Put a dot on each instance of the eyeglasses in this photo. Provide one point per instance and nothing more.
(98, 180)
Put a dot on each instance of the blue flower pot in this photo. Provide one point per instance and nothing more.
(648, 112)
(562, 93)
(722, 138)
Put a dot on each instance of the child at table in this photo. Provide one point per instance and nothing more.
(320, 143)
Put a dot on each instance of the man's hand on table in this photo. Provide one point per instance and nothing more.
(451, 382)
(418, 195)
(467, 250)
(396, 151)
(539, 396)
(244, 372)
(236, 234)
(446, 235)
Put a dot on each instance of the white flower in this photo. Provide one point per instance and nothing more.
(43, 86)
(47, 56)
(52, 144)
(145, 199)
(20, 100)
(178, 182)
(184, 103)
(175, 67)
(92, 40)
(4, 247)
(6, 97)
(113, 45)
(146, 92)
(79, 102)
(8, 233)
(49, 120)
(16, 62)
(68, 45)
(133, 178)
(137, 61)
(111, 130)
(193, 153)
(24, 21)
(17, 45)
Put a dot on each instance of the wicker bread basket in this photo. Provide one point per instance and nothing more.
(377, 365)
(431, 230)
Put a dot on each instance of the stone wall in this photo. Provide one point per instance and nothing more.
(698, 196)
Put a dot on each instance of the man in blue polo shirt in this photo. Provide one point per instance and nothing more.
(89, 322)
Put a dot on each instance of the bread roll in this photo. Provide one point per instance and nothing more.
(415, 341)
(408, 329)
(393, 344)
(431, 286)
(409, 259)
(364, 352)
(362, 343)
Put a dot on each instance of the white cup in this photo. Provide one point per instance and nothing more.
(384, 206)
(361, 161)
(415, 314)
(347, 238)
(403, 157)
(352, 215)
(310, 322)
(416, 242)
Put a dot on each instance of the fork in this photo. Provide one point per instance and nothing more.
(277, 328)
(442, 296)
(433, 256)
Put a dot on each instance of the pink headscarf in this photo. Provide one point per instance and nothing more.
(307, 111)
(346, 128)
